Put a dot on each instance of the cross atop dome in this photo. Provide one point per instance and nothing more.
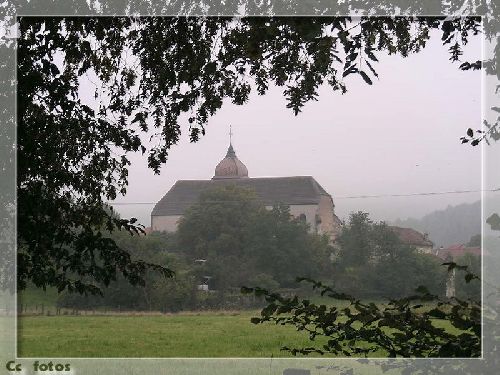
(230, 151)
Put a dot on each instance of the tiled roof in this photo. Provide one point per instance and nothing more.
(230, 166)
(412, 237)
(269, 190)
(456, 251)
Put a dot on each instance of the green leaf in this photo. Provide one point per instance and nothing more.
(469, 277)
(494, 221)
(451, 265)
(371, 68)
(365, 77)
(371, 56)
(437, 313)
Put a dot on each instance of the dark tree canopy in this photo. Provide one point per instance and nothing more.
(148, 72)
(373, 262)
(243, 243)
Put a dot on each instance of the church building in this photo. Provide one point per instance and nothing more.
(303, 194)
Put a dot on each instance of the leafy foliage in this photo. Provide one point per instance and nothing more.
(490, 132)
(494, 221)
(244, 242)
(373, 262)
(67, 164)
(404, 327)
(158, 293)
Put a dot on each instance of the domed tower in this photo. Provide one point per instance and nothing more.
(230, 166)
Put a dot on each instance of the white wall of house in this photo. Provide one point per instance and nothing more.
(165, 223)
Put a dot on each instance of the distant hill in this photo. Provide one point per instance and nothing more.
(455, 224)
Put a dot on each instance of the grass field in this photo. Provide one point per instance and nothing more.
(184, 335)
(187, 335)
(179, 335)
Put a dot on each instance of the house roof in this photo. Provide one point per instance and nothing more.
(412, 237)
(298, 190)
(458, 250)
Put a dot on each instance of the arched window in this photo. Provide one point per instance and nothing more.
(302, 217)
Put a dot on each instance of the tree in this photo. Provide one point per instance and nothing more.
(158, 293)
(214, 230)
(215, 223)
(355, 247)
(185, 65)
(373, 262)
(283, 247)
(241, 241)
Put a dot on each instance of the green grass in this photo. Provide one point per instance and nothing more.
(180, 335)
(188, 335)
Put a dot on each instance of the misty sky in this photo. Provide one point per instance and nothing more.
(399, 136)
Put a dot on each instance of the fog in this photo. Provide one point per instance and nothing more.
(399, 136)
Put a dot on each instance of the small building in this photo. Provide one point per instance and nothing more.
(303, 194)
(457, 251)
(414, 238)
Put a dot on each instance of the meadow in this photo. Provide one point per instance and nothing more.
(135, 334)
(182, 335)
(204, 334)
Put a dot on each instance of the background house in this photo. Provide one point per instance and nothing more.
(412, 237)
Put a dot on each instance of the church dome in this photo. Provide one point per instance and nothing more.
(230, 166)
